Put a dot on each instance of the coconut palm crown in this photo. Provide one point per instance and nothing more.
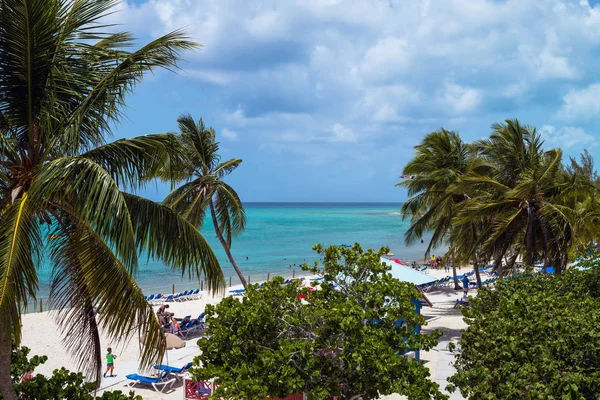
(63, 82)
(439, 162)
(204, 187)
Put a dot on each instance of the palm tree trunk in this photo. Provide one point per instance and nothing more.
(456, 283)
(6, 385)
(476, 265)
(225, 246)
(511, 261)
(498, 264)
(530, 240)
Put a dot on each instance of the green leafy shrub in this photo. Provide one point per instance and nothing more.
(63, 384)
(533, 337)
(341, 340)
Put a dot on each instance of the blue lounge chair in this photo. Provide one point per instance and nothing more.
(170, 298)
(160, 380)
(237, 292)
(179, 372)
(181, 296)
(157, 300)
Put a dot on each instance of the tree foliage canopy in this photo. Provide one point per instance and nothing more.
(202, 174)
(341, 340)
(63, 384)
(501, 197)
(533, 337)
(64, 77)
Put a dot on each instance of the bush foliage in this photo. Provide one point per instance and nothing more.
(533, 337)
(340, 340)
(63, 384)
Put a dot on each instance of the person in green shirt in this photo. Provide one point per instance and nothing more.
(110, 362)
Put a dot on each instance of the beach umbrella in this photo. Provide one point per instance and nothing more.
(172, 342)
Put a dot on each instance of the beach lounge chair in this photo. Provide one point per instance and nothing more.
(158, 300)
(181, 296)
(189, 328)
(237, 292)
(156, 382)
(178, 372)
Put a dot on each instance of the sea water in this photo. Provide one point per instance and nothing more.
(279, 238)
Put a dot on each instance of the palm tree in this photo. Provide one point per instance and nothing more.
(440, 160)
(525, 195)
(204, 187)
(63, 83)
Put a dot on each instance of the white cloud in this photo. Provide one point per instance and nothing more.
(515, 90)
(266, 25)
(583, 103)
(340, 72)
(566, 137)
(388, 58)
(229, 134)
(212, 76)
(387, 103)
(549, 65)
(459, 99)
(342, 133)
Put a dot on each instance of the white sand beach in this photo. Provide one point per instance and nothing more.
(41, 335)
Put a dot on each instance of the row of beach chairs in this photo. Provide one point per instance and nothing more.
(449, 280)
(156, 299)
(240, 292)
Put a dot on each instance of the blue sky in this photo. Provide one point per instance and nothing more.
(325, 99)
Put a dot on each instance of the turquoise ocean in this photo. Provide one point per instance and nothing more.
(279, 238)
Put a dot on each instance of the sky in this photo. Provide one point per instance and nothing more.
(324, 100)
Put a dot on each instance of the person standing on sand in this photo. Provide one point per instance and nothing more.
(110, 362)
(465, 282)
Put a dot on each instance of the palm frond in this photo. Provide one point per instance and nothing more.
(229, 207)
(199, 143)
(19, 246)
(88, 190)
(191, 199)
(166, 236)
(86, 274)
(227, 167)
(133, 162)
(100, 105)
